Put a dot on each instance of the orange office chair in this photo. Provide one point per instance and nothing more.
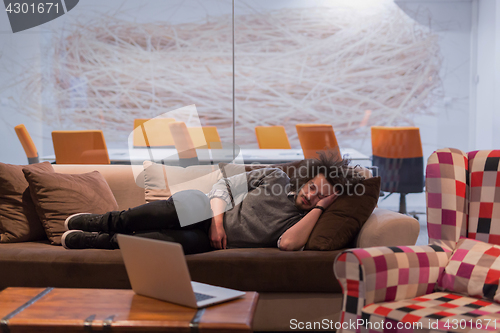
(317, 137)
(80, 147)
(183, 144)
(27, 143)
(397, 153)
(152, 132)
(272, 137)
(205, 136)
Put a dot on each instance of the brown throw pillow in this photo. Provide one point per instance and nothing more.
(56, 196)
(19, 221)
(339, 225)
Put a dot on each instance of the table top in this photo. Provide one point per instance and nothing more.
(169, 156)
(66, 310)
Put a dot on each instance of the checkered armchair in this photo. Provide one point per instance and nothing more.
(395, 288)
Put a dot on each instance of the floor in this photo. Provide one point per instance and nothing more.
(415, 202)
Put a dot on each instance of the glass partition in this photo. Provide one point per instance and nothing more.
(350, 64)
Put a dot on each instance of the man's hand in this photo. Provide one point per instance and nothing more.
(326, 202)
(296, 236)
(218, 238)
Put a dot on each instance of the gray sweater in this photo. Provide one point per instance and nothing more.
(263, 209)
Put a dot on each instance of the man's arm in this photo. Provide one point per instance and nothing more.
(218, 238)
(297, 235)
(237, 186)
(220, 199)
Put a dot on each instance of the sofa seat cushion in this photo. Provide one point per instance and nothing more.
(39, 264)
(440, 311)
(266, 269)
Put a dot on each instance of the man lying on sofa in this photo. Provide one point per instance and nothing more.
(275, 211)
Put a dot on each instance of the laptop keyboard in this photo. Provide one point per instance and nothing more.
(202, 297)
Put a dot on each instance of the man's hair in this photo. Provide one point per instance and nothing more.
(335, 169)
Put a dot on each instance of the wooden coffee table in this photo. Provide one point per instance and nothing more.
(115, 310)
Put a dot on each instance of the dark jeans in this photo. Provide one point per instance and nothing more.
(159, 220)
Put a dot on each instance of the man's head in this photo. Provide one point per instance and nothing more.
(315, 179)
(312, 192)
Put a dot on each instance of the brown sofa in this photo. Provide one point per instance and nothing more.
(292, 285)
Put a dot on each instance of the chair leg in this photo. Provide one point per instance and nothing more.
(402, 207)
(402, 203)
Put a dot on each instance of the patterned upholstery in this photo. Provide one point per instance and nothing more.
(438, 311)
(473, 269)
(381, 274)
(396, 285)
(446, 185)
(484, 206)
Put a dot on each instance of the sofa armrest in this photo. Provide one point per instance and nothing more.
(382, 226)
(383, 274)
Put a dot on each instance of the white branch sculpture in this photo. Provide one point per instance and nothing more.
(318, 65)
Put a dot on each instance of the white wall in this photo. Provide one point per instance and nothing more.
(487, 78)
(447, 125)
(496, 119)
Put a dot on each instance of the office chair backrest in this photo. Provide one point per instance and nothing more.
(317, 137)
(205, 136)
(272, 137)
(183, 144)
(152, 132)
(396, 142)
(27, 143)
(80, 147)
(397, 154)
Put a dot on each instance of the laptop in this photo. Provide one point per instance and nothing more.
(158, 269)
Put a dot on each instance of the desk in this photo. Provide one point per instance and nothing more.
(206, 156)
(116, 310)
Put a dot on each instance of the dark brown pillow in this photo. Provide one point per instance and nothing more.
(19, 221)
(56, 196)
(339, 225)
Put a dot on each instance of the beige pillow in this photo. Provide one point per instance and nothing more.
(18, 219)
(161, 181)
(57, 196)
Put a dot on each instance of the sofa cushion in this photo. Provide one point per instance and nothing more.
(473, 269)
(57, 196)
(436, 312)
(339, 225)
(19, 221)
(266, 270)
(125, 181)
(37, 264)
(161, 181)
